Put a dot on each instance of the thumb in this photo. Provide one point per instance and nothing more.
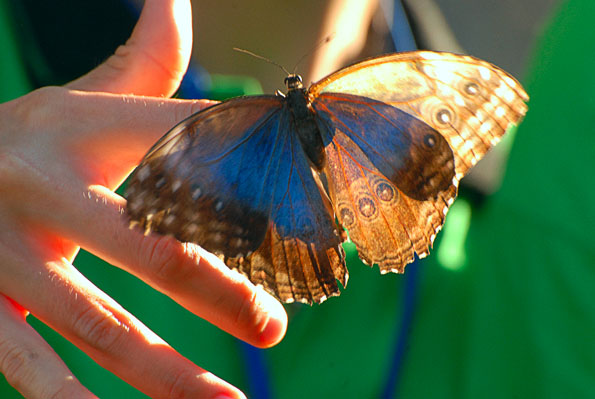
(155, 57)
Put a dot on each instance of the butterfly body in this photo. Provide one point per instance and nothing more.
(379, 147)
(304, 120)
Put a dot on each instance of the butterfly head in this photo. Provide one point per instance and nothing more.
(293, 82)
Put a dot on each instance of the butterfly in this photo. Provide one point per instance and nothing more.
(270, 183)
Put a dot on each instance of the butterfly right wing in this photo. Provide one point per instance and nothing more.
(391, 177)
(470, 102)
(391, 193)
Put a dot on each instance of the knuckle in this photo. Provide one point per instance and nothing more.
(165, 258)
(59, 391)
(22, 369)
(100, 328)
(10, 170)
(250, 315)
(179, 383)
(18, 179)
(20, 117)
(120, 60)
(62, 388)
(36, 108)
(16, 363)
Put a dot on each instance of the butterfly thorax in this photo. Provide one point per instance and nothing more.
(304, 121)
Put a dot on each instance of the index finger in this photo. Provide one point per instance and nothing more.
(194, 278)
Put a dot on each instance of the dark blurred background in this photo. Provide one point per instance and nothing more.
(501, 32)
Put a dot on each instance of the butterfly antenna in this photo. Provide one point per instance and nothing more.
(260, 57)
(314, 48)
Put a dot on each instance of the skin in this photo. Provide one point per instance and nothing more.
(63, 150)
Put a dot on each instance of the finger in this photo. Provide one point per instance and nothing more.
(63, 299)
(93, 217)
(197, 280)
(118, 130)
(106, 134)
(28, 363)
(153, 60)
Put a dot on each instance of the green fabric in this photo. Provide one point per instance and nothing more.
(541, 270)
(516, 320)
(525, 327)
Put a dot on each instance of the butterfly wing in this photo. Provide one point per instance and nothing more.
(234, 180)
(301, 258)
(399, 133)
(469, 101)
(391, 177)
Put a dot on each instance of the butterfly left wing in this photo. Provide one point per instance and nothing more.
(234, 180)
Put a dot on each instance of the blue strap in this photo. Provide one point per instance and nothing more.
(400, 348)
(403, 40)
(400, 30)
(258, 373)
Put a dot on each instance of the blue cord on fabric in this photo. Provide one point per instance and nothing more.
(259, 384)
(403, 40)
(194, 85)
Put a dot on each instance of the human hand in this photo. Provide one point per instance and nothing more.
(62, 152)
